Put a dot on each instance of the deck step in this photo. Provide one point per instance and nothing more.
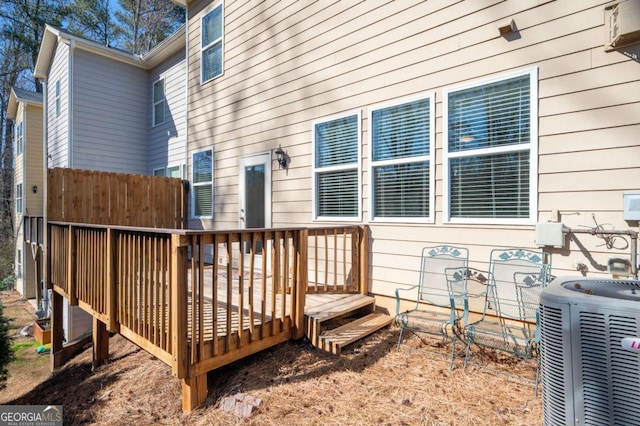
(338, 308)
(334, 340)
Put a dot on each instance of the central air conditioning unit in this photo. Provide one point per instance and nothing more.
(622, 24)
(588, 378)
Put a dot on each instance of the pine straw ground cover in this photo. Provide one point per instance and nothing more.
(371, 383)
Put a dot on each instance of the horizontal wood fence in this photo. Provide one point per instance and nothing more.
(87, 196)
(200, 299)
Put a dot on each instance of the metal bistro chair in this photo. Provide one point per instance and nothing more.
(510, 319)
(440, 291)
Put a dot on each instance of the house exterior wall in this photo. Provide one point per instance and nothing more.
(167, 141)
(28, 172)
(33, 161)
(58, 124)
(109, 114)
(287, 65)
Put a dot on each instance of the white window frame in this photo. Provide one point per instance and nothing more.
(194, 184)
(531, 147)
(178, 166)
(19, 137)
(57, 96)
(154, 102)
(430, 158)
(19, 198)
(19, 272)
(211, 44)
(316, 170)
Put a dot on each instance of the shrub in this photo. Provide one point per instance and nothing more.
(6, 351)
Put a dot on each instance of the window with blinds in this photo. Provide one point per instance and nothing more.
(158, 102)
(211, 55)
(401, 159)
(336, 171)
(202, 178)
(490, 150)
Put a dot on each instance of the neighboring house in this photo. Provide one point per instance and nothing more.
(110, 110)
(434, 122)
(25, 110)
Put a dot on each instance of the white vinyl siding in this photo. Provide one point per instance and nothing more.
(202, 178)
(158, 102)
(212, 35)
(401, 172)
(167, 141)
(336, 167)
(490, 134)
(19, 198)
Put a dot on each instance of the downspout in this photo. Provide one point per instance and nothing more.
(72, 46)
(45, 170)
(186, 113)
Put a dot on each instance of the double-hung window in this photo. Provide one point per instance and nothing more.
(401, 159)
(19, 198)
(19, 138)
(490, 150)
(211, 42)
(158, 102)
(202, 178)
(336, 167)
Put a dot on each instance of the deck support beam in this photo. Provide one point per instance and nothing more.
(57, 332)
(100, 343)
(194, 392)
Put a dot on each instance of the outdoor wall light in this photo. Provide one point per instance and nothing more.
(34, 188)
(282, 157)
(508, 28)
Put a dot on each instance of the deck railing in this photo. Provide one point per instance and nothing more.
(200, 299)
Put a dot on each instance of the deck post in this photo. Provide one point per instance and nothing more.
(100, 343)
(194, 392)
(178, 307)
(57, 332)
(364, 260)
(300, 286)
(112, 291)
(71, 267)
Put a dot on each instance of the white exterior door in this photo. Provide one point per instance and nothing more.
(255, 191)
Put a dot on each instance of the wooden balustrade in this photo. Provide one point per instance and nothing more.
(198, 300)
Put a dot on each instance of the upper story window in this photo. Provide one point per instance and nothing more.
(336, 167)
(19, 137)
(212, 53)
(401, 160)
(57, 97)
(202, 179)
(490, 152)
(19, 198)
(158, 102)
(159, 172)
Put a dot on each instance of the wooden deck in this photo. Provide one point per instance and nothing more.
(178, 293)
(115, 246)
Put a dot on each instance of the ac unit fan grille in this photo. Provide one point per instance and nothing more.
(553, 395)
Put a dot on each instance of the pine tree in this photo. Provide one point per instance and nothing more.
(145, 23)
(92, 19)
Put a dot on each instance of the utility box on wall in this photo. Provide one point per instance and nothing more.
(631, 203)
(549, 234)
(622, 24)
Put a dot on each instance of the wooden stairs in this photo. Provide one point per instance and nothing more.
(353, 313)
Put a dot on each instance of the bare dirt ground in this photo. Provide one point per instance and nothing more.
(371, 383)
